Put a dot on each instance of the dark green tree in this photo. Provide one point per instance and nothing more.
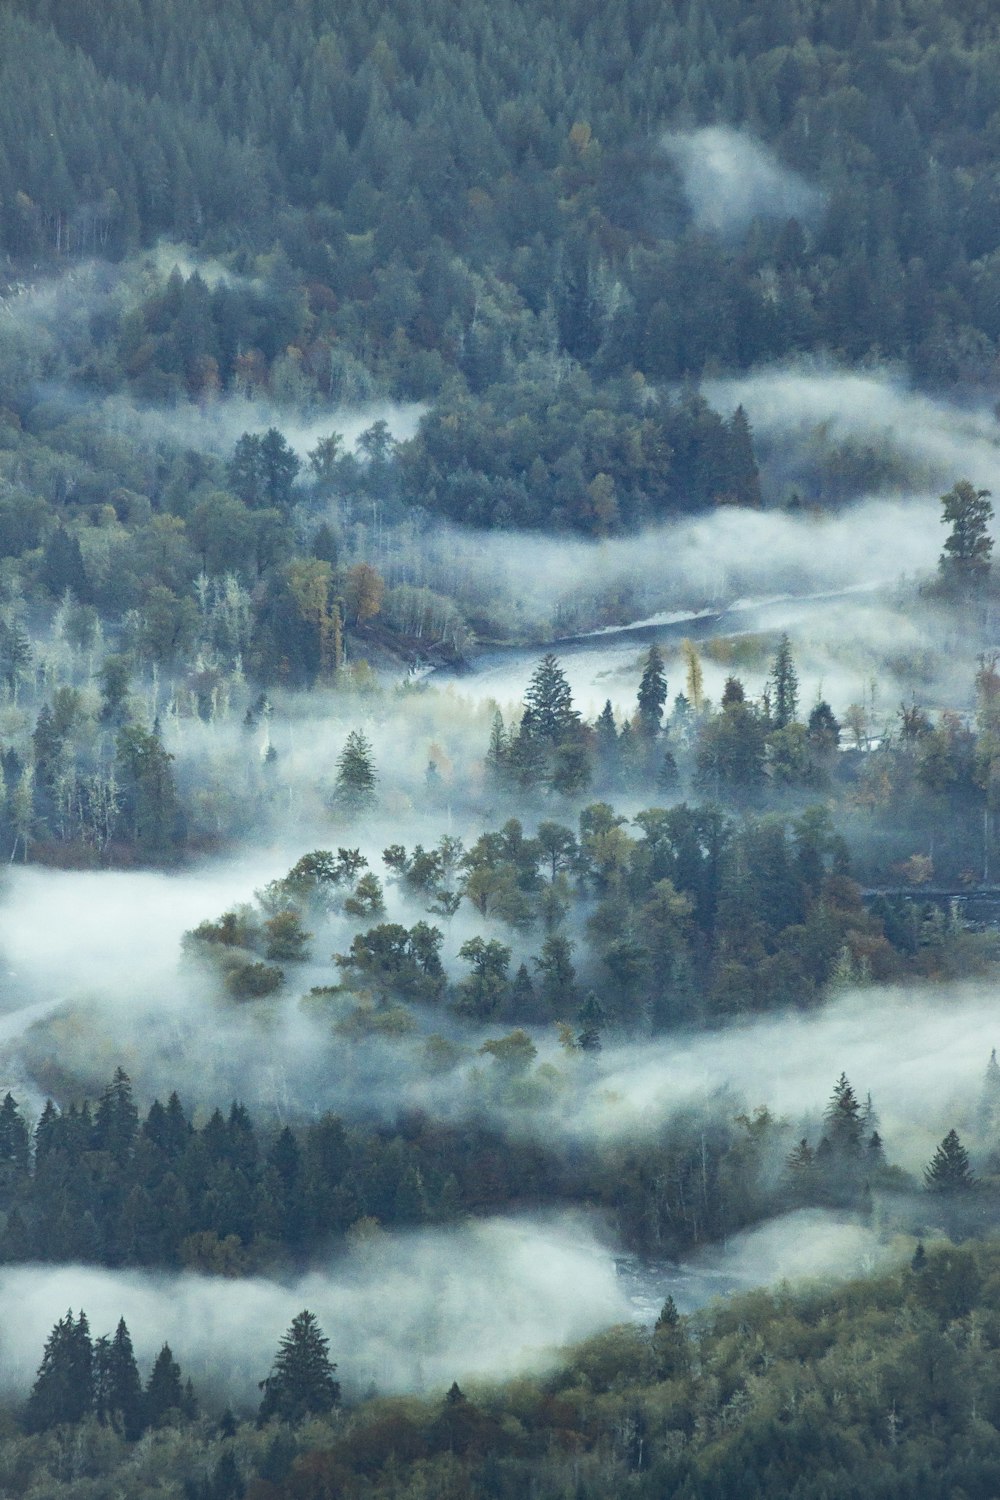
(556, 974)
(164, 1393)
(965, 561)
(843, 1120)
(150, 805)
(482, 992)
(784, 684)
(63, 1391)
(15, 1139)
(550, 700)
(301, 1381)
(356, 776)
(118, 1397)
(652, 693)
(948, 1170)
(116, 1122)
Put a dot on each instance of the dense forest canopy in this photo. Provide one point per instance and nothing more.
(451, 191)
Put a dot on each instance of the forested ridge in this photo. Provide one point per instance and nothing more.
(463, 208)
(885, 1388)
(525, 141)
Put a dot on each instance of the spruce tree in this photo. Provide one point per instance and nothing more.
(989, 1099)
(784, 686)
(164, 1392)
(118, 1395)
(949, 1170)
(550, 700)
(356, 776)
(116, 1123)
(14, 1138)
(843, 1119)
(63, 1391)
(301, 1381)
(652, 693)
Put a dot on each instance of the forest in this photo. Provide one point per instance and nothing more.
(499, 750)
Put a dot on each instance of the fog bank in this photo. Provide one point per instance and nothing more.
(730, 179)
(405, 1314)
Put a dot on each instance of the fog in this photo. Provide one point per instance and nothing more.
(413, 1312)
(484, 1300)
(562, 586)
(730, 179)
(215, 426)
(797, 410)
(840, 643)
(810, 1244)
(108, 945)
(920, 1050)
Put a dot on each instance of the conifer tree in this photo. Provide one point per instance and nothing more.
(550, 700)
(164, 1392)
(63, 1391)
(606, 745)
(652, 693)
(784, 685)
(14, 1138)
(949, 1170)
(989, 1099)
(356, 776)
(843, 1119)
(118, 1398)
(116, 1123)
(301, 1381)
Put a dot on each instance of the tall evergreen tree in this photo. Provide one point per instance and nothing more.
(356, 776)
(989, 1098)
(948, 1170)
(784, 684)
(118, 1390)
(116, 1123)
(652, 693)
(301, 1381)
(550, 700)
(164, 1392)
(63, 1391)
(15, 1140)
(843, 1120)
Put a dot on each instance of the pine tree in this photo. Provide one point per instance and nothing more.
(118, 1397)
(116, 1123)
(744, 473)
(497, 753)
(301, 1381)
(989, 1099)
(164, 1392)
(606, 745)
(843, 1119)
(800, 1166)
(669, 1316)
(14, 1138)
(356, 776)
(63, 1391)
(550, 700)
(949, 1170)
(784, 686)
(652, 694)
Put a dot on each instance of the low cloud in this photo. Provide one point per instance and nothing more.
(730, 179)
